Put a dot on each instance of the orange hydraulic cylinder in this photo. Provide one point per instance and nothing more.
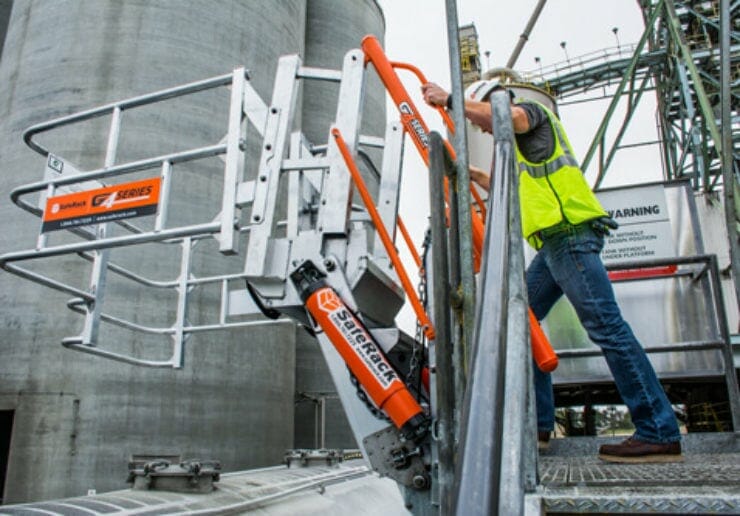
(544, 355)
(362, 355)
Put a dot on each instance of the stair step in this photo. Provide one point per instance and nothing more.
(574, 480)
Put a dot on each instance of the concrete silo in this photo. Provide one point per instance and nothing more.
(5, 7)
(332, 28)
(73, 420)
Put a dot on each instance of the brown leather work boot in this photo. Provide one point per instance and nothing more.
(632, 450)
(543, 440)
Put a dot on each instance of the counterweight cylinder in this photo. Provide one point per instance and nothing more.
(360, 352)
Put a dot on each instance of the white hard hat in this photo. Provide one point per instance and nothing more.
(480, 90)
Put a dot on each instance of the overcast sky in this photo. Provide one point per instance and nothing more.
(415, 26)
(416, 33)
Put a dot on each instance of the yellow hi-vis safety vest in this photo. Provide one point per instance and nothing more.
(554, 190)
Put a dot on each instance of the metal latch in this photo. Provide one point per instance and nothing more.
(190, 476)
(313, 457)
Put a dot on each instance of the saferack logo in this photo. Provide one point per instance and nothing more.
(329, 301)
(101, 205)
(357, 337)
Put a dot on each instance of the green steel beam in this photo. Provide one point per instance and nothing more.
(630, 70)
(701, 95)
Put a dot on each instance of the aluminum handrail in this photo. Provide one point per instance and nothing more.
(722, 343)
(114, 171)
(141, 100)
(581, 62)
(497, 455)
(100, 242)
(175, 359)
(109, 243)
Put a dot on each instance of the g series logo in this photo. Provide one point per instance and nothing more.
(421, 134)
(108, 200)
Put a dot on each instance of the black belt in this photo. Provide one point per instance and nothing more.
(560, 227)
(602, 226)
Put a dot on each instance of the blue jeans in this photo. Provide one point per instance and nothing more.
(569, 263)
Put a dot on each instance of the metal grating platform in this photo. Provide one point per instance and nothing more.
(574, 480)
(705, 469)
(641, 501)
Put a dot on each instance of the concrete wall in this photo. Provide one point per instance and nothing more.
(331, 31)
(5, 8)
(78, 418)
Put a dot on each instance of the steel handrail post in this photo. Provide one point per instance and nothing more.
(457, 296)
(444, 367)
(479, 478)
(518, 468)
(467, 225)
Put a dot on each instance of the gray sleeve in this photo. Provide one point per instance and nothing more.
(535, 115)
(538, 143)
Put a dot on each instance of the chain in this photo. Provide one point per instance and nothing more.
(420, 338)
(375, 411)
(414, 374)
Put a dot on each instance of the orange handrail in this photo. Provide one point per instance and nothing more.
(479, 202)
(412, 121)
(450, 126)
(542, 352)
(414, 125)
(383, 233)
(409, 242)
(410, 118)
(423, 80)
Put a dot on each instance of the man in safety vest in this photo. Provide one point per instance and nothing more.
(564, 221)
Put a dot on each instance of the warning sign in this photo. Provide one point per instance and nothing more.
(106, 204)
(644, 226)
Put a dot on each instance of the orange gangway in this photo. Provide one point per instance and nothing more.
(417, 129)
(385, 238)
(412, 121)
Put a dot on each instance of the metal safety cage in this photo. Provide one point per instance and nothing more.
(250, 206)
(95, 243)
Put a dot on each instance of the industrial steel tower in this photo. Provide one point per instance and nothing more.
(689, 55)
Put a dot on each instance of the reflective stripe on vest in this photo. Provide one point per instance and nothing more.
(552, 166)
